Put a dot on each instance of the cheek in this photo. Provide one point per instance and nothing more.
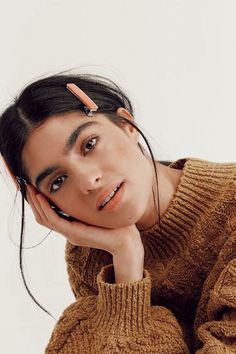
(123, 154)
(73, 206)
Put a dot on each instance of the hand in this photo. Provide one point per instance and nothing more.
(115, 241)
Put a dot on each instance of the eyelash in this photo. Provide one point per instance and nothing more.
(51, 191)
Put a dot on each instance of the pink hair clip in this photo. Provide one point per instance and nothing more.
(89, 105)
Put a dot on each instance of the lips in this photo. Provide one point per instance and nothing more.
(106, 191)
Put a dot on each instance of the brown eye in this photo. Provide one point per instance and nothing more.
(89, 144)
(56, 183)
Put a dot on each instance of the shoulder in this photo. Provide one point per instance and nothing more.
(219, 177)
(72, 318)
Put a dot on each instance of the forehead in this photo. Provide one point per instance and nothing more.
(45, 144)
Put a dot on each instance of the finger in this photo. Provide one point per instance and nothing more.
(46, 216)
(33, 207)
(75, 231)
(53, 219)
(41, 217)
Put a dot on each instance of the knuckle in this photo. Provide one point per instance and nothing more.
(53, 225)
(72, 240)
(39, 221)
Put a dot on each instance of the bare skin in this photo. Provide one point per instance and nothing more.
(113, 157)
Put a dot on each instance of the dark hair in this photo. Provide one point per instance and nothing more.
(46, 97)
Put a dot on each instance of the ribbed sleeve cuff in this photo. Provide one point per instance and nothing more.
(123, 307)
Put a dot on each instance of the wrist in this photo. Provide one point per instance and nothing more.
(128, 266)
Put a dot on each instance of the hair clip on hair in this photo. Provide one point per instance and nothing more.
(89, 105)
(18, 181)
(21, 180)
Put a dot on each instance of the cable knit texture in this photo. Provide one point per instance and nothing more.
(186, 301)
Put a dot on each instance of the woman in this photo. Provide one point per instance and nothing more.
(151, 248)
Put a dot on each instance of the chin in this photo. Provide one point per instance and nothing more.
(119, 223)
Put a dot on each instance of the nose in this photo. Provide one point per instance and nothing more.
(86, 176)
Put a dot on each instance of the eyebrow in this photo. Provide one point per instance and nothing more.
(68, 147)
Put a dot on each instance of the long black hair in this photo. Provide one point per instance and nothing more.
(44, 98)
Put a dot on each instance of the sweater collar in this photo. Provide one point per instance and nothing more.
(178, 164)
(198, 186)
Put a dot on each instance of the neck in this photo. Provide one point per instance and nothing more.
(168, 181)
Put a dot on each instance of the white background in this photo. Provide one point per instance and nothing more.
(175, 59)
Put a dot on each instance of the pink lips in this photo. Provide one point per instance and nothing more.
(105, 192)
(116, 199)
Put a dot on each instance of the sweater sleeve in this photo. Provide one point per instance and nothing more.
(120, 319)
(217, 334)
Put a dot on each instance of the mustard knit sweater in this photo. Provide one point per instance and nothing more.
(186, 301)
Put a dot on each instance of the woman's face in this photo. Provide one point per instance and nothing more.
(79, 170)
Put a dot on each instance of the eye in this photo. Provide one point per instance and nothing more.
(88, 143)
(56, 182)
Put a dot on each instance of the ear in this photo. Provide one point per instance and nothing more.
(122, 112)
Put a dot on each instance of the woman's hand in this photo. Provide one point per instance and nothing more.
(124, 240)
